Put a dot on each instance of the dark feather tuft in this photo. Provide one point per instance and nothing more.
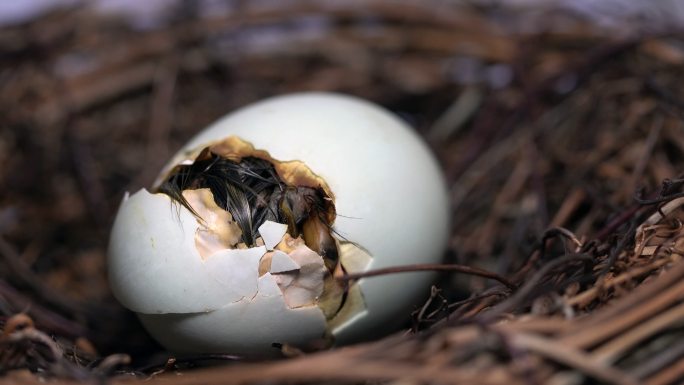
(251, 191)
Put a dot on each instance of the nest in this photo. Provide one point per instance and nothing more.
(562, 145)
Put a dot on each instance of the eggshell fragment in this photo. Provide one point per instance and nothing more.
(304, 286)
(281, 262)
(158, 263)
(237, 269)
(261, 321)
(272, 233)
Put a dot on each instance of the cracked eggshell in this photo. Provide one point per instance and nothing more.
(390, 196)
(248, 327)
(190, 304)
(281, 262)
(154, 266)
(272, 233)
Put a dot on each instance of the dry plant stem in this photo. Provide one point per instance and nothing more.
(160, 121)
(112, 362)
(170, 362)
(524, 291)
(35, 336)
(569, 205)
(552, 325)
(131, 69)
(430, 267)
(20, 271)
(634, 301)
(434, 294)
(619, 248)
(600, 332)
(457, 310)
(491, 158)
(668, 376)
(90, 185)
(511, 188)
(45, 318)
(573, 358)
(651, 140)
(584, 298)
(558, 231)
(55, 362)
(334, 366)
(540, 250)
(609, 352)
(659, 363)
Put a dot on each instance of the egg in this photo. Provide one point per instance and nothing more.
(241, 242)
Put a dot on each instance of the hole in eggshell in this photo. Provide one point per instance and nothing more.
(303, 276)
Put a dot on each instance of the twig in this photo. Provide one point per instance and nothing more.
(597, 332)
(111, 362)
(24, 275)
(172, 362)
(645, 293)
(583, 298)
(46, 319)
(576, 359)
(430, 267)
(620, 220)
(619, 248)
(339, 365)
(659, 362)
(651, 140)
(160, 121)
(540, 249)
(609, 352)
(420, 316)
(521, 294)
(668, 375)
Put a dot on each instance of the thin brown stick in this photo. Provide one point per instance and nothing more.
(599, 332)
(647, 151)
(569, 205)
(644, 293)
(17, 269)
(524, 291)
(668, 375)
(583, 298)
(611, 351)
(576, 359)
(430, 267)
(331, 366)
(659, 362)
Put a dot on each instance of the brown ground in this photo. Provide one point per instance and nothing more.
(558, 142)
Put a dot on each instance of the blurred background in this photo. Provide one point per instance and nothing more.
(542, 113)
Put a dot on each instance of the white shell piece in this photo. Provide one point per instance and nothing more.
(237, 269)
(268, 287)
(281, 262)
(272, 233)
(154, 266)
(304, 286)
(248, 327)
